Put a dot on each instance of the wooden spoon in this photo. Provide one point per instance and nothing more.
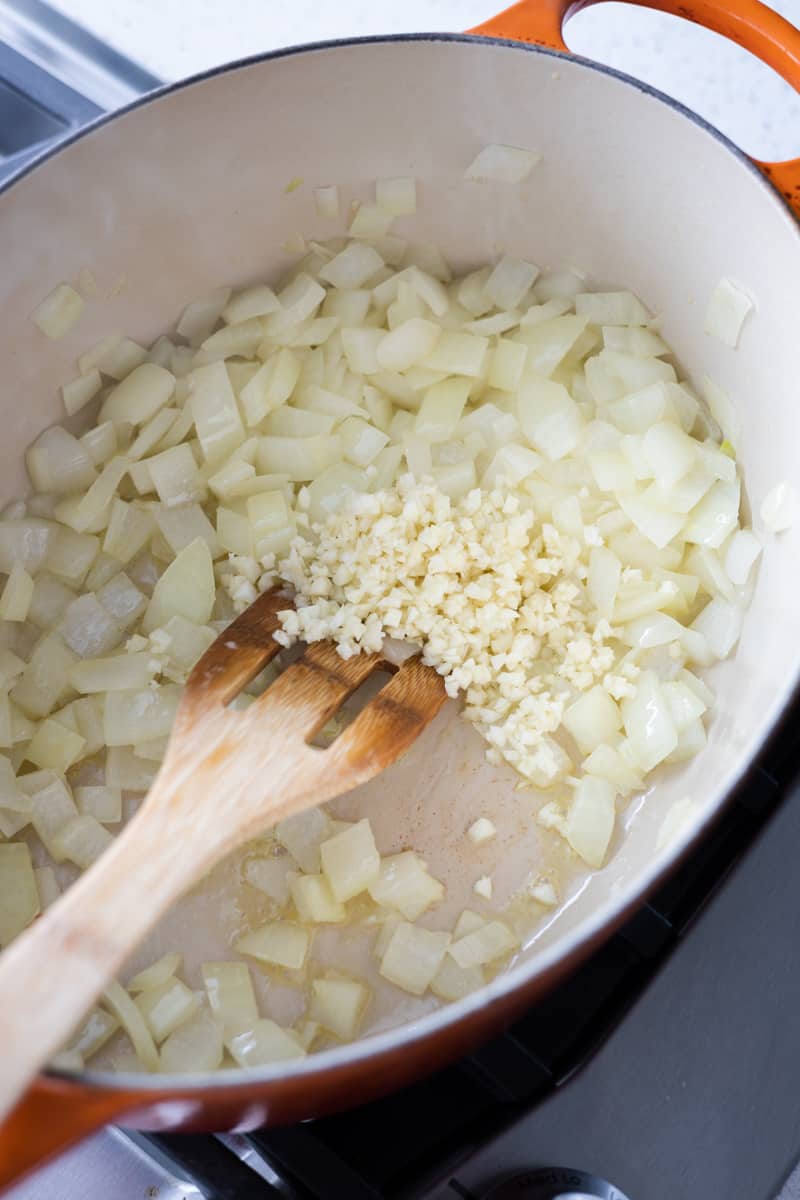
(227, 776)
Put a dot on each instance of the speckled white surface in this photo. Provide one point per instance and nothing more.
(719, 81)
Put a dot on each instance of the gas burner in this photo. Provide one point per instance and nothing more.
(554, 1183)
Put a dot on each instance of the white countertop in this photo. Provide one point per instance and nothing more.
(718, 80)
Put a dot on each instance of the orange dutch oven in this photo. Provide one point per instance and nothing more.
(175, 192)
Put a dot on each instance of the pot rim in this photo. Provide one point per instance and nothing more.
(555, 958)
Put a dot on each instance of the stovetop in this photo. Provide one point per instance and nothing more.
(665, 1065)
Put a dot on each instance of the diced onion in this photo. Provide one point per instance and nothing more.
(59, 311)
(413, 956)
(404, 884)
(368, 414)
(485, 944)
(166, 1006)
(264, 1042)
(326, 201)
(194, 1047)
(231, 998)
(130, 1018)
(742, 552)
(590, 820)
(780, 508)
(156, 974)
(728, 309)
(350, 861)
(338, 1005)
(506, 164)
(19, 898)
(279, 942)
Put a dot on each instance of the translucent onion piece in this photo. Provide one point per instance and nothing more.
(413, 956)
(350, 861)
(505, 164)
(156, 974)
(19, 898)
(59, 311)
(124, 1009)
(338, 1005)
(265, 1042)
(727, 311)
(230, 995)
(780, 508)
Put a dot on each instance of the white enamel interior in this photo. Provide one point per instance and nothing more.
(188, 191)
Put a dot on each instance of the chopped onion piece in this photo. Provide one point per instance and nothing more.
(157, 974)
(59, 311)
(257, 301)
(727, 311)
(549, 417)
(19, 898)
(81, 841)
(592, 719)
(93, 1034)
(483, 887)
(648, 722)
(78, 392)
(302, 835)
(458, 353)
(138, 716)
(590, 820)
(230, 995)
(194, 1047)
(187, 589)
(124, 770)
(326, 202)
(715, 517)
(480, 831)
(452, 982)
(314, 900)
(611, 308)
(370, 221)
(408, 344)
(350, 861)
(16, 596)
(200, 317)
(139, 396)
(166, 1006)
(405, 884)
(413, 956)
(780, 508)
(506, 164)
(265, 1042)
(488, 942)
(338, 1005)
(352, 267)
(720, 623)
(510, 282)
(101, 802)
(741, 553)
(125, 1010)
(723, 410)
(279, 942)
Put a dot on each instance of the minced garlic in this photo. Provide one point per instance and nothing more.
(493, 594)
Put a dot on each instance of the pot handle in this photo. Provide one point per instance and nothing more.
(52, 1116)
(749, 23)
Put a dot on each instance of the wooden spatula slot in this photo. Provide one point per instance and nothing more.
(350, 707)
